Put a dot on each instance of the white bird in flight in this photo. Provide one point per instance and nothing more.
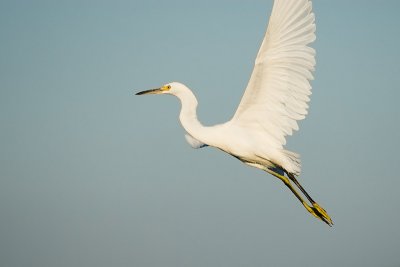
(275, 99)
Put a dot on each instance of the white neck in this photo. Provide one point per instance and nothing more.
(188, 116)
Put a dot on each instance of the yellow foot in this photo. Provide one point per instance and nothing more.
(322, 214)
(312, 211)
(319, 213)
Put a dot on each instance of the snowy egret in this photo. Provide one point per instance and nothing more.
(275, 99)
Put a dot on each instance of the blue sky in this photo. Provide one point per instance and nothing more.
(91, 175)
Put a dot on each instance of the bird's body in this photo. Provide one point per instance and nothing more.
(248, 146)
(274, 100)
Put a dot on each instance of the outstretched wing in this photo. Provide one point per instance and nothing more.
(278, 91)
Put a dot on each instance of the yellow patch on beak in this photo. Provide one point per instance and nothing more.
(166, 88)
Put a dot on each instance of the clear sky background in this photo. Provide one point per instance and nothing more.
(91, 175)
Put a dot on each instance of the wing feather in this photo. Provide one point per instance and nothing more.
(277, 94)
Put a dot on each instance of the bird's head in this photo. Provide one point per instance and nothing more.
(173, 88)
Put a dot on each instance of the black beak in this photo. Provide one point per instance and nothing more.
(151, 91)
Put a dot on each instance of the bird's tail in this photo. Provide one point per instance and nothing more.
(293, 162)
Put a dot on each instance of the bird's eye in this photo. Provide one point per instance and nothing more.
(169, 87)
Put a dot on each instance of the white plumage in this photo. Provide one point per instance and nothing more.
(278, 90)
(276, 97)
(277, 93)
